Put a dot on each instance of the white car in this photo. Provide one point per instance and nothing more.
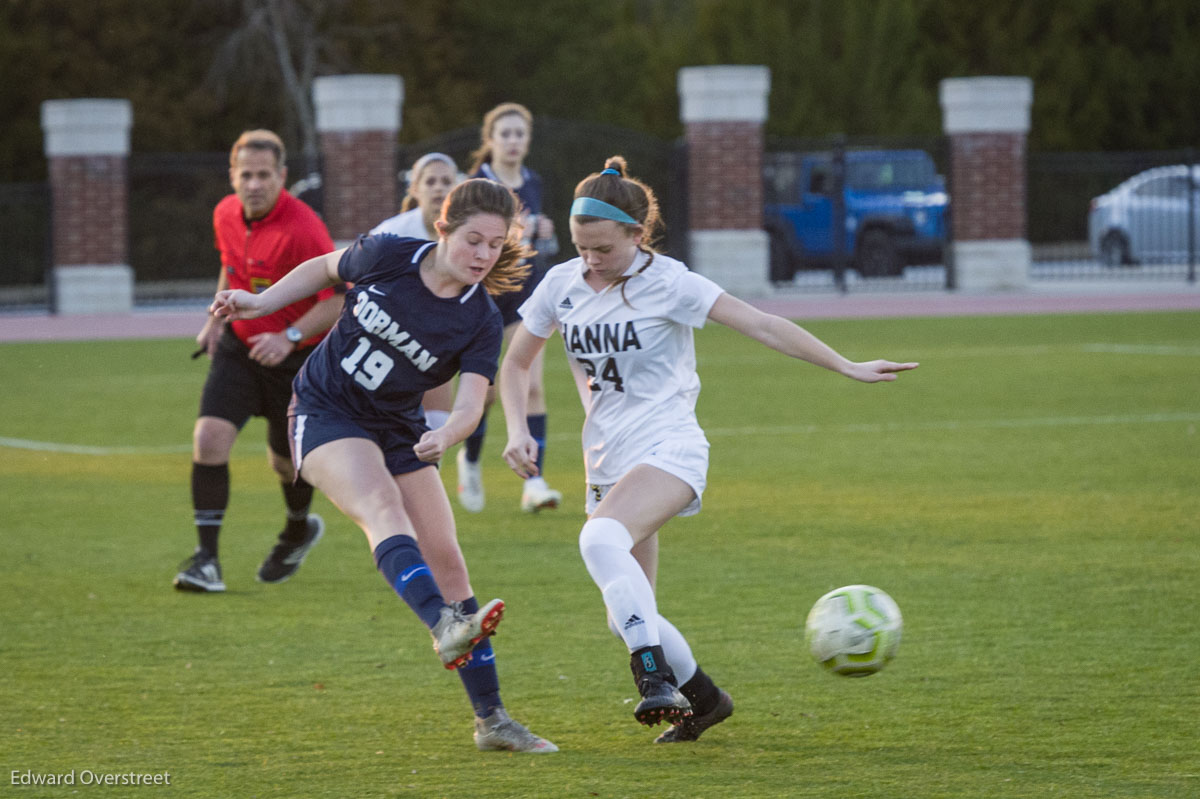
(1145, 220)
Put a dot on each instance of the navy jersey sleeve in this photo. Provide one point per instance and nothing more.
(482, 355)
(379, 256)
(531, 194)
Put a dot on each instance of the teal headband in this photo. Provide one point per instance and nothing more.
(590, 206)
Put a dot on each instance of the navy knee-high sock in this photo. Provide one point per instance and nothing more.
(474, 442)
(479, 675)
(537, 429)
(399, 560)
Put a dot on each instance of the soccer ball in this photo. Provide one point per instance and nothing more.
(853, 631)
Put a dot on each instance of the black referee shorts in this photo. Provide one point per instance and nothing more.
(238, 388)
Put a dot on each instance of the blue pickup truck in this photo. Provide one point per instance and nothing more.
(891, 211)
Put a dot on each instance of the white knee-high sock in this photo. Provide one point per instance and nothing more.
(675, 647)
(678, 653)
(606, 547)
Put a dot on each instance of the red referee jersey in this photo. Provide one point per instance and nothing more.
(257, 254)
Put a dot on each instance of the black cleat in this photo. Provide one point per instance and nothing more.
(661, 701)
(201, 573)
(693, 726)
(286, 557)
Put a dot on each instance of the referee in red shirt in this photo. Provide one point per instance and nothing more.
(262, 233)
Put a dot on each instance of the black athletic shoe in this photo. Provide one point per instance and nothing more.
(286, 558)
(691, 727)
(200, 572)
(661, 701)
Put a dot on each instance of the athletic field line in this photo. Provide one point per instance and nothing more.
(998, 350)
(726, 432)
(961, 424)
(81, 449)
(1142, 349)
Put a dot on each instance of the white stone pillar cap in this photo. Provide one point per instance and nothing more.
(986, 104)
(86, 127)
(350, 103)
(723, 93)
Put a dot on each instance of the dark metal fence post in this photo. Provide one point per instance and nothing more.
(1192, 188)
(839, 212)
(948, 218)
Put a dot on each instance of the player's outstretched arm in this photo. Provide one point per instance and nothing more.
(463, 419)
(789, 338)
(304, 281)
(521, 451)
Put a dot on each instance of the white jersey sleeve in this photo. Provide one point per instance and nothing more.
(409, 224)
(694, 297)
(540, 313)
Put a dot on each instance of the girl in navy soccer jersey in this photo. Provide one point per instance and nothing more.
(419, 313)
(504, 145)
(431, 178)
(626, 314)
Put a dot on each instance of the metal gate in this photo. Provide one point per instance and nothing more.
(24, 244)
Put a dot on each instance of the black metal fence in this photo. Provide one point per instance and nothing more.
(171, 248)
(565, 151)
(1114, 216)
(24, 243)
(1091, 216)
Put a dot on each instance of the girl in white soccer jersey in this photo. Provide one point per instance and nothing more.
(626, 315)
(431, 178)
(419, 313)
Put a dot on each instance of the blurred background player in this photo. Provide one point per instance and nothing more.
(262, 232)
(419, 313)
(645, 454)
(431, 178)
(504, 144)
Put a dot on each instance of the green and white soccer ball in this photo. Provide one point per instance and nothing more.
(854, 631)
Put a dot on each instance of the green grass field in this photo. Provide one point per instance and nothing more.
(1029, 497)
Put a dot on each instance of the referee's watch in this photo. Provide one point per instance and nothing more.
(293, 334)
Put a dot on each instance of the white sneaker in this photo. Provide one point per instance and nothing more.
(499, 732)
(456, 634)
(470, 483)
(537, 495)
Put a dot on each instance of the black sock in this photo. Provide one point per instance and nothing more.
(210, 498)
(701, 691)
(298, 497)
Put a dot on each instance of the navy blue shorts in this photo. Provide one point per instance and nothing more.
(307, 431)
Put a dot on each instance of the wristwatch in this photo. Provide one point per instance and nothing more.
(293, 335)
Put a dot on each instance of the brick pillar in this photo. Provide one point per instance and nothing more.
(987, 120)
(358, 117)
(87, 147)
(723, 109)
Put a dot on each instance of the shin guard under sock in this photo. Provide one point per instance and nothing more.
(399, 560)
